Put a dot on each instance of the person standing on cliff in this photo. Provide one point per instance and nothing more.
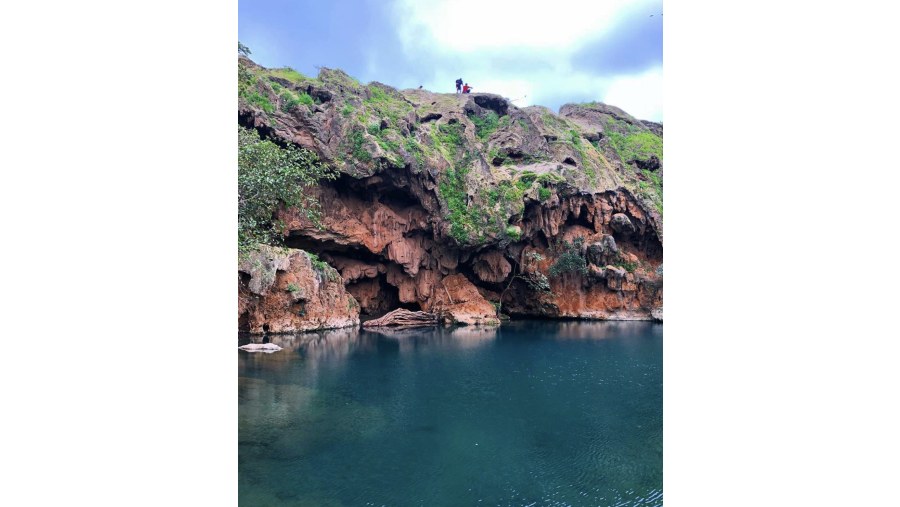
(458, 86)
(467, 88)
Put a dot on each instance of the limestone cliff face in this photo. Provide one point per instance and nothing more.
(283, 290)
(445, 202)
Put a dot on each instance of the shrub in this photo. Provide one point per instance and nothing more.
(571, 260)
(261, 101)
(268, 177)
(544, 193)
(291, 287)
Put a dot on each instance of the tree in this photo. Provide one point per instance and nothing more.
(535, 280)
(270, 176)
(571, 260)
(243, 50)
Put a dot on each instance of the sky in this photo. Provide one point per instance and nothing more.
(548, 53)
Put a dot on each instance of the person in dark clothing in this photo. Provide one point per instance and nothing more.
(458, 85)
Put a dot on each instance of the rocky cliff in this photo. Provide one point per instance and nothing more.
(458, 205)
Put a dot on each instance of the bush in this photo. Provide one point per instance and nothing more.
(269, 177)
(544, 193)
(571, 260)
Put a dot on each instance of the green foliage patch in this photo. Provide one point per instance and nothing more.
(357, 145)
(289, 74)
(451, 135)
(571, 259)
(323, 268)
(485, 124)
(639, 145)
(261, 101)
(270, 176)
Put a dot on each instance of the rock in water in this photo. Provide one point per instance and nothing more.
(403, 318)
(260, 347)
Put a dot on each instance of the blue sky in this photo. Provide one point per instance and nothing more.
(546, 53)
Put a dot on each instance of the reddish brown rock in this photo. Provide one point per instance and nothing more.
(403, 318)
(390, 229)
(492, 267)
(280, 291)
(461, 303)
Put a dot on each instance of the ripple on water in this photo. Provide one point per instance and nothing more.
(531, 414)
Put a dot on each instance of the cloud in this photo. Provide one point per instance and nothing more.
(546, 53)
(475, 26)
(538, 53)
(638, 95)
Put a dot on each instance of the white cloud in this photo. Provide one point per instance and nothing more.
(466, 26)
(522, 50)
(640, 96)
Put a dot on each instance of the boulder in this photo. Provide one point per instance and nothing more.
(622, 224)
(603, 252)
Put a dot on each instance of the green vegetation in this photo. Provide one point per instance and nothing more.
(513, 232)
(450, 135)
(571, 260)
(292, 287)
(486, 124)
(462, 219)
(413, 148)
(544, 193)
(323, 267)
(386, 139)
(636, 145)
(243, 50)
(386, 103)
(290, 102)
(261, 101)
(347, 110)
(289, 74)
(629, 266)
(270, 177)
(357, 146)
(472, 217)
(652, 190)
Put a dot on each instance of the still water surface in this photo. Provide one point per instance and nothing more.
(533, 413)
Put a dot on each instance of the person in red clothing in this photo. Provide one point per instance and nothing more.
(467, 88)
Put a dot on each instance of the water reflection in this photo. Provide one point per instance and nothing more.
(531, 413)
(588, 329)
(337, 344)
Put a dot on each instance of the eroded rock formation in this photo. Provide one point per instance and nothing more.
(449, 203)
(280, 290)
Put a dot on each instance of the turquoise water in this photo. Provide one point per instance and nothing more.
(534, 413)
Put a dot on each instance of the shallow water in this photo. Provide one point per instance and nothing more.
(533, 413)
